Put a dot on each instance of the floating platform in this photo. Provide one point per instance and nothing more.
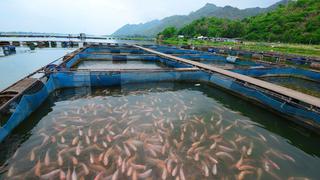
(118, 111)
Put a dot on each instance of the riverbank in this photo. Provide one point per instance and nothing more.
(282, 48)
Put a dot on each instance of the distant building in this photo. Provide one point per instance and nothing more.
(181, 36)
(219, 39)
(82, 36)
(202, 38)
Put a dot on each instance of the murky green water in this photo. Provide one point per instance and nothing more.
(239, 64)
(299, 84)
(157, 131)
(109, 64)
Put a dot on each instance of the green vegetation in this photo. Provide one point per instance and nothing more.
(152, 28)
(297, 22)
(213, 27)
(285, 48)
(169, 32)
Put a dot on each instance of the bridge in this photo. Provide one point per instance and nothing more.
(58, 40)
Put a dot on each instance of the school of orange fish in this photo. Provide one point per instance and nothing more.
(146, 138)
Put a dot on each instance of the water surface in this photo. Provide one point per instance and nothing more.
(295, 83)
(109, 64)
(158, 130)
(24, 62)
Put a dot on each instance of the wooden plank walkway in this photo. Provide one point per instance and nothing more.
(314, 101)
(14, 91)
(21, 86)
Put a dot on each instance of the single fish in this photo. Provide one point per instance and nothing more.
(75, 140)
(85, 169)
(97, 168)
(175, 171)
(104, 144)
(127, 151)
(109, 139)
(62, 175)
(74, 174)
(115, 175)
(119, 161)
(101, 132)
(10, 171)
(164, 174)
(249, 152)
(239, 163)
(205, 168)
(134, 175)
(169, 165)
(37, 169)
(224, 154)
(53, 139)
(51, 174)
(78, 149)
(182, 136)
(242, 174)
(145, 174)
(214, 169)
(138, 166)
(74, 161)
(181, 173)
(47, 159)
(45, 139)
(63, 140)
(129, 172)
(89, 132)
(262, 137)
(91, 159)
(225, 148)
(32, 154)
(196, 156)
(95, 138)
(213, 145)
(60, 160)
(246, 167)
(69, 174)
(213, 160)
(87, 140)
(15, 154)
(80, 132)
(123, 167)
(99, 176)
(288, 157)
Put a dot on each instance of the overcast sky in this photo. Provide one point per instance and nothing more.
(98, 16)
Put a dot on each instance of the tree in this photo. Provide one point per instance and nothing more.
(169, 32)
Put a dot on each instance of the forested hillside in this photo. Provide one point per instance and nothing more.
(152, 28)
(297, 22)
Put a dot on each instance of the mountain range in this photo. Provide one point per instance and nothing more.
(152, 28)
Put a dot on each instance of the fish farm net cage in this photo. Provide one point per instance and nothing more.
(95, 114)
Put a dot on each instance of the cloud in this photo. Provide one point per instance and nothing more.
(97, 16)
